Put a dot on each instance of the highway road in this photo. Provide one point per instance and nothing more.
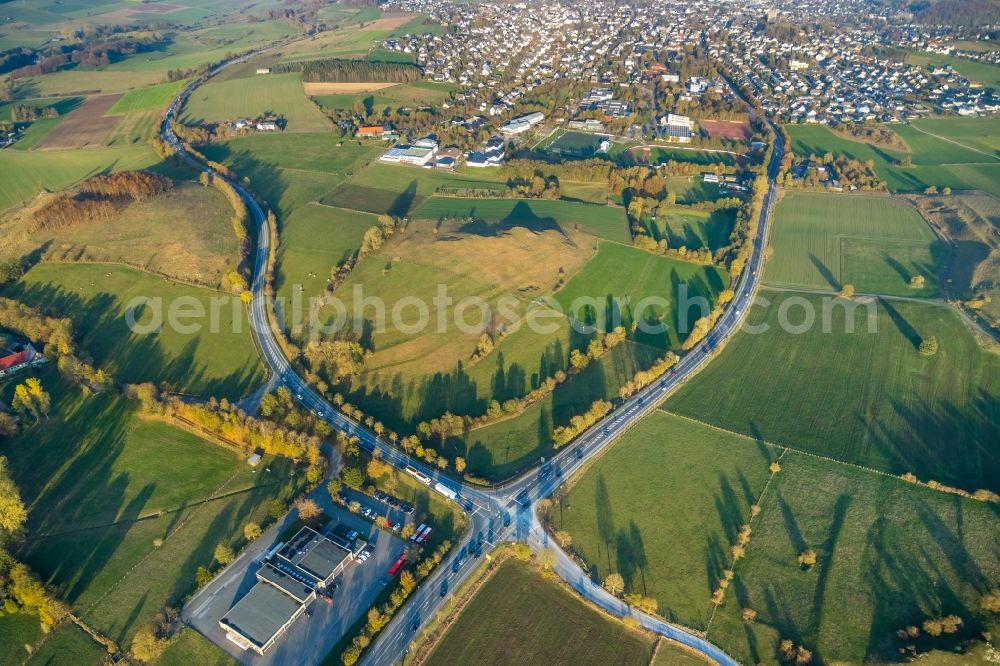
(508, 511)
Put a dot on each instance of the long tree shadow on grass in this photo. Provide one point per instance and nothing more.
(827, 274)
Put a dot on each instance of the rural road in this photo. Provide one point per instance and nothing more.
(508, 511)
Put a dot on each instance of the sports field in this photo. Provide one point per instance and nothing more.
(98, 296)
(657, 154)
(936, 162)
(574, 144)
(693, 228)
(112, 482)
(273, 94)
(889, 554)
(184, 233)
(876, 243)
(662, 507)
(519, 617)
(26, 173)
(865, 398)
(602, 221)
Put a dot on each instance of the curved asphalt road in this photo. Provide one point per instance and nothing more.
(506, 511)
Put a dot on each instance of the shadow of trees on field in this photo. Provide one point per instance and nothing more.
(827, 274)
(101, 327)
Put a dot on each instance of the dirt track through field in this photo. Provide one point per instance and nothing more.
(85, 125)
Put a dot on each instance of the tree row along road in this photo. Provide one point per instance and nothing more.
(507, 511)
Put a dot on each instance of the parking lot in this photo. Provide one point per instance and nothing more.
(312, 635)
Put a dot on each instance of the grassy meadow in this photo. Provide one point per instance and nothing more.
(26, 173)
(693, 229)
(314, 239)
(520, 617)
(273, 94)
(866, 398)
(876, 243)
(602, 221)
(113, 483)
(289, 170)
(97, 297)
(370, 190)
(184, 233)
(889, 554)
(936, 162)
(662, 507)
(411, 378)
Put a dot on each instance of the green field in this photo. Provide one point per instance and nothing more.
(976, 133)
(68, 644)
(602, 221)
(144, 99)
(876, 243)
(936, 162)
(575, 144)
(63, 105)
(274, 94)
(290, 170)
(519, 617)
(111, 484)
(35, 132)
(19, 630)
(85, 82)
(137, 127)
(650, 154)
(888, 555)
(413, 377)
(418, 93)
(184, 233)
(314, 239)
(662, 507)
(190, 49)
(222, 363)
(190, 647)
(865, 398)
(984, 73)
(26, 173)
(397, 189)
(693, 228)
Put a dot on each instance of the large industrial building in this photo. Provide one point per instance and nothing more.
(287, 582)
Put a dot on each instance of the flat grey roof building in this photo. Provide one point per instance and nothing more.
(260, 616)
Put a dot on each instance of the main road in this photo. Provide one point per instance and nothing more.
(508, 511)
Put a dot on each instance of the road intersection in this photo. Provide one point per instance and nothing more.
(505, 512)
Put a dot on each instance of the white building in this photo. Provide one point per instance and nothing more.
(522, 124)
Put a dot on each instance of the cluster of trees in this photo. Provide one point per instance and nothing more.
(30, 399)
(596, 348)
(850, 173)
(644, 378)
(701, 256)
(19, 589)
(26, 113)
(230, 424)
(981, 495)
(930, 628)
(96, 50)
(280, 407)
(589, 171)
(56, 334)
(562, 435)
(790, 653)
(737, 551)
(702, 327)
(538, 186)
(334, 359)
(869, 132)
(351, 71)
(99, 199)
